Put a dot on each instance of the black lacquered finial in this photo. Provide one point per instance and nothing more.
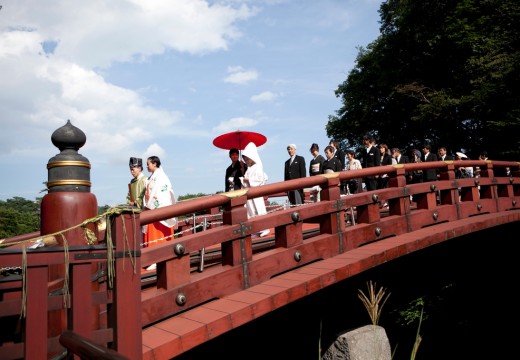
(68, 170)
(68, 137)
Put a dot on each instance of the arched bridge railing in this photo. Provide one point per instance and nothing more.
(112, 305)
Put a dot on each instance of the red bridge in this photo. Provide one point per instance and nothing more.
(213, 277)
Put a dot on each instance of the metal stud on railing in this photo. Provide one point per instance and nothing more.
(433, 187)
(375, 198)
(295, 216)
(477, 181)
(297, 256)
(180, 299)
(179, 249)
(377, 231)
(513, 202)
(435, 216)
(511, 180)
(479, 207)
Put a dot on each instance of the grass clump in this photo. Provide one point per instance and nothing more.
(374, 302)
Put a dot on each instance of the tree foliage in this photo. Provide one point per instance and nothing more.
(442, 72)
(19, 216)
(190, 196)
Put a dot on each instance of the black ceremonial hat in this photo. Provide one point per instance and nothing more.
(135, 162)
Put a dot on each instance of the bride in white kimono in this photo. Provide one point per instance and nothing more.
(254, 176)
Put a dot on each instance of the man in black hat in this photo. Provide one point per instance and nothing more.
(137, 185)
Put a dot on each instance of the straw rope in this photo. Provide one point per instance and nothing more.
(90, 238)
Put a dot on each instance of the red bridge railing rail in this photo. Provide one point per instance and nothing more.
(124, 301)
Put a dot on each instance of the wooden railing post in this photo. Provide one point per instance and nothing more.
(35, 321)
(289, 235)
(400, 205)
(235, 212)
(486, 173)
(124, 314)
(83, 313)
(448, 196)
(427, 200)
(334, 222)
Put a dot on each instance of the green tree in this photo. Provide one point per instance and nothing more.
(19, 216)
(103, 209)
(442, 72)
(192, 196)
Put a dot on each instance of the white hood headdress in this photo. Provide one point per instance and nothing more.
(251, 152)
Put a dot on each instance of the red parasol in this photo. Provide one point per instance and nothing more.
(238, 139)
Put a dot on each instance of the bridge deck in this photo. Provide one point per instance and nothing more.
(176, 335)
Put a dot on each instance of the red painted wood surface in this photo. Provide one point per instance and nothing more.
(143, 317)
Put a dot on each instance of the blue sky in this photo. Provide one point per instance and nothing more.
(165, 77)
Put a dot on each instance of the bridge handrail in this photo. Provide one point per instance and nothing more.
(198, 204)
(86, 349)
(177, 287)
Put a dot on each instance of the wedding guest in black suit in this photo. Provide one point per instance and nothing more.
(295, 168)
(234, 172)
(443, 154)
(340, 155)
(370, 156)
(399, 158)
(428, 156)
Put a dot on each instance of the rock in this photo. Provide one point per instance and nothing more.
(365, 343)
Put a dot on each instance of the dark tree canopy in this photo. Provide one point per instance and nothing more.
(441, 72)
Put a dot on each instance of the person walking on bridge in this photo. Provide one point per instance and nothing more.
(295, 168)
(332, 164)
(428, 156)
(371, 157)
(159, 193)
(235, 171)
(137, 185)
(254, 176)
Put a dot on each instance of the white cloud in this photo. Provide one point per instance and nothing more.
(263, 97)
(40, 91)
(153, 150)
(238, 123)
(145, 78)
(97, 33)
(239, 75)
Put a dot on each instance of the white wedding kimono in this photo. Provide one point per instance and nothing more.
(159, 193)
(254, 176)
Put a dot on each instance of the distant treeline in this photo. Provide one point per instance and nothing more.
(20, 216)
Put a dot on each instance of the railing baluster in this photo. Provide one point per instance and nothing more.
(35, 321)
